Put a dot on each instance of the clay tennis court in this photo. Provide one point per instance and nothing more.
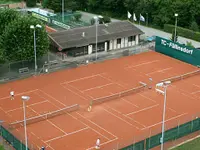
(118, 122)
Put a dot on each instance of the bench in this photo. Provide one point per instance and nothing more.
(23, 70)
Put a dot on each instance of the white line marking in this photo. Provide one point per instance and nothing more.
(145, 63)
(52, 97)
(97, 87)
(47, 100)
(97, 125)
(147, 98)
(19, 94)
(111, 81)
(142, 109)
(91, 148)
(196, 92)
(27, 106)
(83, 78)
(158, 71)
(89, 126)
(165, 121)
(73, 91)
(121, 119)
(129, 102)
(58, 137)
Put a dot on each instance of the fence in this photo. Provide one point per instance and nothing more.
(148, 138)
(51, 62)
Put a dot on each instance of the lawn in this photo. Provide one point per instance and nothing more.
(1, 147)
(9, 1)
(192, 145)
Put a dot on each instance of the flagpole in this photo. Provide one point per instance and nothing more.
(139, 19)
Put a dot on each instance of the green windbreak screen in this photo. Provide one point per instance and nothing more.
(178, 51)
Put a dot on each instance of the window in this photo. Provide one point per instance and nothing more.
(118, 41)
(134, 38)
(130, 38)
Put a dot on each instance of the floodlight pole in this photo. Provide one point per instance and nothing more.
(63, 7)
(35, 51)
(24, 99)
(164, 85)
(163, 121)
(176, 15)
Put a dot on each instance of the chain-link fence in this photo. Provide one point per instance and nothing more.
(52, 62)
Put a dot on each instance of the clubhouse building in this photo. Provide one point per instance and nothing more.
(82, 41)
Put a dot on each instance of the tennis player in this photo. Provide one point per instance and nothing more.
(12, 95)
(98, 144)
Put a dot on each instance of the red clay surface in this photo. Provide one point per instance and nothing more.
(118, 123)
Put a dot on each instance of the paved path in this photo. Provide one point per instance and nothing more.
(148, 31)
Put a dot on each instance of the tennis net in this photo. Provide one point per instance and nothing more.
(45, 116)
(118, 95)
(183, 76)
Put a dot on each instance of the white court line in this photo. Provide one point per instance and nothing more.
(126, 116)
(27, 106)
(73, 91)
(121, 119)
(135, 121)
(97, 87)
(165, 121)
(103, 144)
(52, 97)
(129, 102)
(111, 81)
(145, 63)
(89, 127)
(58, 137)
(172, 109)
(195, 92)
(48, 146)
(47, 100)
(97, 125)
(19, 94)
(159, 71)
(49, 121)
(142, 109)
(83, 78)
(147, 98)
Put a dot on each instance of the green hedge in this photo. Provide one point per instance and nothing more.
(30, 3)
(183, 32)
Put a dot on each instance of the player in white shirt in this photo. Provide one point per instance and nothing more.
(98, 144)
(12, 95)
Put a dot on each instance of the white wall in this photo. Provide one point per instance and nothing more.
(126, 42)
(111, 44)
(89, 49)
(115, 44)
(137, 39)
(122, 42)
(106, 46)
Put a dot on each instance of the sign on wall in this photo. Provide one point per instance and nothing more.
(178, 51)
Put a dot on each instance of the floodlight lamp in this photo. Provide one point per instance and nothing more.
(32, 27)
(100, 16)
(38, 26)
(25, 98)
(176, 15)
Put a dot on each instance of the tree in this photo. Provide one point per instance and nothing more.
(189, 44)
(17, 39)
(77, 16)
(30, 3)
(6, 17)
(194, 26)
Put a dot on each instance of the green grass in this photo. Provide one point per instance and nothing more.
(9, 1)
(192, 145)
(1, 147)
